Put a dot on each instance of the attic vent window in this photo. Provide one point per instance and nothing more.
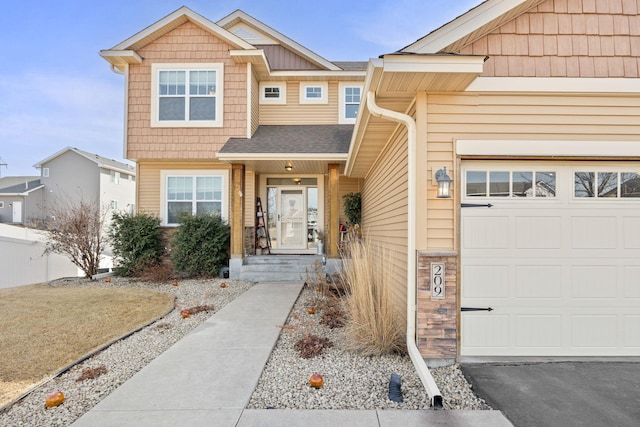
(272, 92)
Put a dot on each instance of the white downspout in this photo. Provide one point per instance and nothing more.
(428, 382)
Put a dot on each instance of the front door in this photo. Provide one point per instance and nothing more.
(293, 216)
(292, 213)
(17, 212)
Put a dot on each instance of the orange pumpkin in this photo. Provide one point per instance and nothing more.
(311, 310)
(223, 285)
(108, 280)
(54, 399)
(174, 283)
(185, 314)
(316, 381)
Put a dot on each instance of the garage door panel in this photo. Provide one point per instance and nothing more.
(632, 331)
(538, 232)
(486, 233)
(631, 274)
(594, 281)
(562, 274)
(487, 281)
(538, 281)
(593, 232)
(594, 331)
(485, 331)
(631, 232)
(539, 331)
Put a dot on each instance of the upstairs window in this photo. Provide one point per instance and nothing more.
(187, 95)
(45, 172)
(350, 97)
(314, 93)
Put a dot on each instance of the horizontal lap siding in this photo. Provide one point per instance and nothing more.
(185, 44)
(384, 214)
(517, 117)
(294, 113)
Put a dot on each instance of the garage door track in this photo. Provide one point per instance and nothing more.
(561, 394)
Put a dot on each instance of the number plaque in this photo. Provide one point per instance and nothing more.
(437, 280)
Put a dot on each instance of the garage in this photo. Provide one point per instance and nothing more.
(556, 257)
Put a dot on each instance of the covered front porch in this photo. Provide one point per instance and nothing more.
(286, 193)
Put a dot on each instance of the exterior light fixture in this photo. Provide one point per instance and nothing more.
(288, 167)
(444, 184)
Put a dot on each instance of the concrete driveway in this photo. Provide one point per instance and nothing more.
(561, 394)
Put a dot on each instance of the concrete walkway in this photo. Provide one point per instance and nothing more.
(207, 378)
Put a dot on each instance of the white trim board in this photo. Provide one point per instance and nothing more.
(554, 84)
(548, 148)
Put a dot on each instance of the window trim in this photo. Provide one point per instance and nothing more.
(324, 96)
(165, 174)
(45, 172)
(281, 100)
(1, 204)
(155, 108)
(342, 119)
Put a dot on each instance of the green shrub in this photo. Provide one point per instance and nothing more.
(137, 242)
(201, 245)
(352, 207)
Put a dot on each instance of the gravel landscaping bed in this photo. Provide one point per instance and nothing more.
(125, 357)
(350, 381)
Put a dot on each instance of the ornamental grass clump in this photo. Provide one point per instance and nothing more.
(372, 325)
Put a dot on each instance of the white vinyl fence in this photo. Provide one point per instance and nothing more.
(22, 261)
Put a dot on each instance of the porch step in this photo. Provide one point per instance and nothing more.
(268, 268)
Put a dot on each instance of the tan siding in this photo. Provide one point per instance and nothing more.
(505, 117)
(384, 214)
(148, 177)
(565, 39)
(294, 113)
(185, 44)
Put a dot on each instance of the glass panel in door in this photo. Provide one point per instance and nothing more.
(292, 230)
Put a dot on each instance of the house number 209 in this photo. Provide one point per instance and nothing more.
(437, 280)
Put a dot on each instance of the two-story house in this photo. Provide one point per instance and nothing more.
(219, 115)
(531, 108)
(72, 175)
(19, 198)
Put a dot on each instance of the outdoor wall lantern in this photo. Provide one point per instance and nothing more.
(288, 167)
(444, 183)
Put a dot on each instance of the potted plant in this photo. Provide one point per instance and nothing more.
(319, 241)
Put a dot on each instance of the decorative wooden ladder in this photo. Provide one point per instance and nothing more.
(262, 232)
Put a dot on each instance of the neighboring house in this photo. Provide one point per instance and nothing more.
(220, 114)
(520, 100)
(510, 95)
(71, 175)
(20, 198)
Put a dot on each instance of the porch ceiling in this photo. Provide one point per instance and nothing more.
(299, 167)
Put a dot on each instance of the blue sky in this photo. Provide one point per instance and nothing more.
(56, 91)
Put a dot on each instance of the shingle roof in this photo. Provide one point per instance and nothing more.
(293, 139)
(24, 187)
(352, 65)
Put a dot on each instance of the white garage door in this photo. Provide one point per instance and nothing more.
(557, 258)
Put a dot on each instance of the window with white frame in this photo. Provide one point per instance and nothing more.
(484, 183)
(314, 93)
(115, 177)
(187, 95)
(45, 172)
(1, 204)
(193, 194)
(273, 93)
(350, 96)
(607, 184)
(114, 204)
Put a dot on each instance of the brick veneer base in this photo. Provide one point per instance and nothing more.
(437, 318)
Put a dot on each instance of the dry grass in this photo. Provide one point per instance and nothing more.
(372, 325)
(46, 328)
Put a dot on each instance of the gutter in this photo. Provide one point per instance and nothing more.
(435, 397)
